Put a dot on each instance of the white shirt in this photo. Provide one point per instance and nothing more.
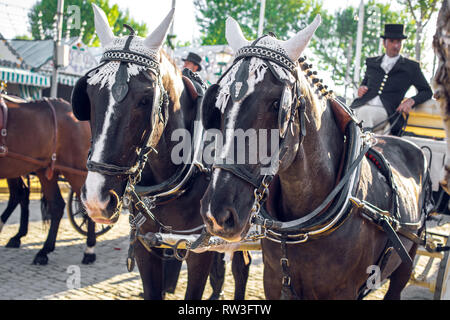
(386, 64)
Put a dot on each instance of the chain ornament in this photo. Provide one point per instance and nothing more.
(266, 53)
(132, 57)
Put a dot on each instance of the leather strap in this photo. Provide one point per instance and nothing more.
(3, 130)
(49, 171)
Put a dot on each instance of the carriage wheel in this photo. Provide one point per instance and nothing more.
(78, 216)
(442, 291)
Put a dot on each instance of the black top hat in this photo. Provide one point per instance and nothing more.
(195, 58)
(393, 31)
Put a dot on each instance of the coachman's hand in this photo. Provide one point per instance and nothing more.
(406, 105)
(362, 91)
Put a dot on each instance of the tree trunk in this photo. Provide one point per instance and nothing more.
(418, 40)
(441, 83)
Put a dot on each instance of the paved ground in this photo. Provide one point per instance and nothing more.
(108, 278)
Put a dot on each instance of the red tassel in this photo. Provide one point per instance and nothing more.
(49, 173)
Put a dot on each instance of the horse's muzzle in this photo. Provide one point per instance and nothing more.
(104, 212)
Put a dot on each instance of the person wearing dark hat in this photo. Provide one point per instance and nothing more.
(193, 62)
(386, 81)
(191, 67)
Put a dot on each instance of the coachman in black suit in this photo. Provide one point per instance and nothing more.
(388, 78)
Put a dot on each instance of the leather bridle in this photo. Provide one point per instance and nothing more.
(261, 182)
(119, 92)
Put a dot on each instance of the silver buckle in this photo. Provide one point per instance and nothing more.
(138, 220)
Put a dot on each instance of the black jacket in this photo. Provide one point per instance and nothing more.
(392, 87)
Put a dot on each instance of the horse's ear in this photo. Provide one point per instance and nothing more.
(155, 40)
(234, 35)
(297, 44)
(210, 114)
(102, 27)
(81, 104)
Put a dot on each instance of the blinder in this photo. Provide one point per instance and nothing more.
(210, 115)
(285, 110)
(81, 104)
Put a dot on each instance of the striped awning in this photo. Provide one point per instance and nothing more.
(24, 77)
(68, 80)
(30, 92)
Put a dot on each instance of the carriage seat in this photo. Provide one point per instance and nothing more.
(425, 121)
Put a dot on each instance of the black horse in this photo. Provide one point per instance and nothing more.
(341, 202)
(135, 101)
(19, 194)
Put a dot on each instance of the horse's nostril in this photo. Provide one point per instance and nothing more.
(228, 220)
(113, 201)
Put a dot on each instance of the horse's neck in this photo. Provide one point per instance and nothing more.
(312, 174)
(181, 111)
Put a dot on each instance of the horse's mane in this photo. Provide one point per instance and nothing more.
(171, 60)
(315, 84)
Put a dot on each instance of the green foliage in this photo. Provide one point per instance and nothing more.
(330, 44)
(281, 17)
(420, 9)
(331, 41)
(420, 12)
(23, 37)
(116, 18)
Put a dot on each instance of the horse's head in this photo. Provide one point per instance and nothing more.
(257, 102)
(126, 103)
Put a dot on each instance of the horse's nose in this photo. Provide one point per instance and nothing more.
(228, 219)
(224, 220)
(103, 208)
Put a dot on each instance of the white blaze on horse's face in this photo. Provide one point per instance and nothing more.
(292, 48)
(105, 77)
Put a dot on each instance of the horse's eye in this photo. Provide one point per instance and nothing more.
(144, 102)
(276, 104)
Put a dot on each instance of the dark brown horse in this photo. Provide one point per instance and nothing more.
(135, 101)
(44, 137)
(321, 240)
